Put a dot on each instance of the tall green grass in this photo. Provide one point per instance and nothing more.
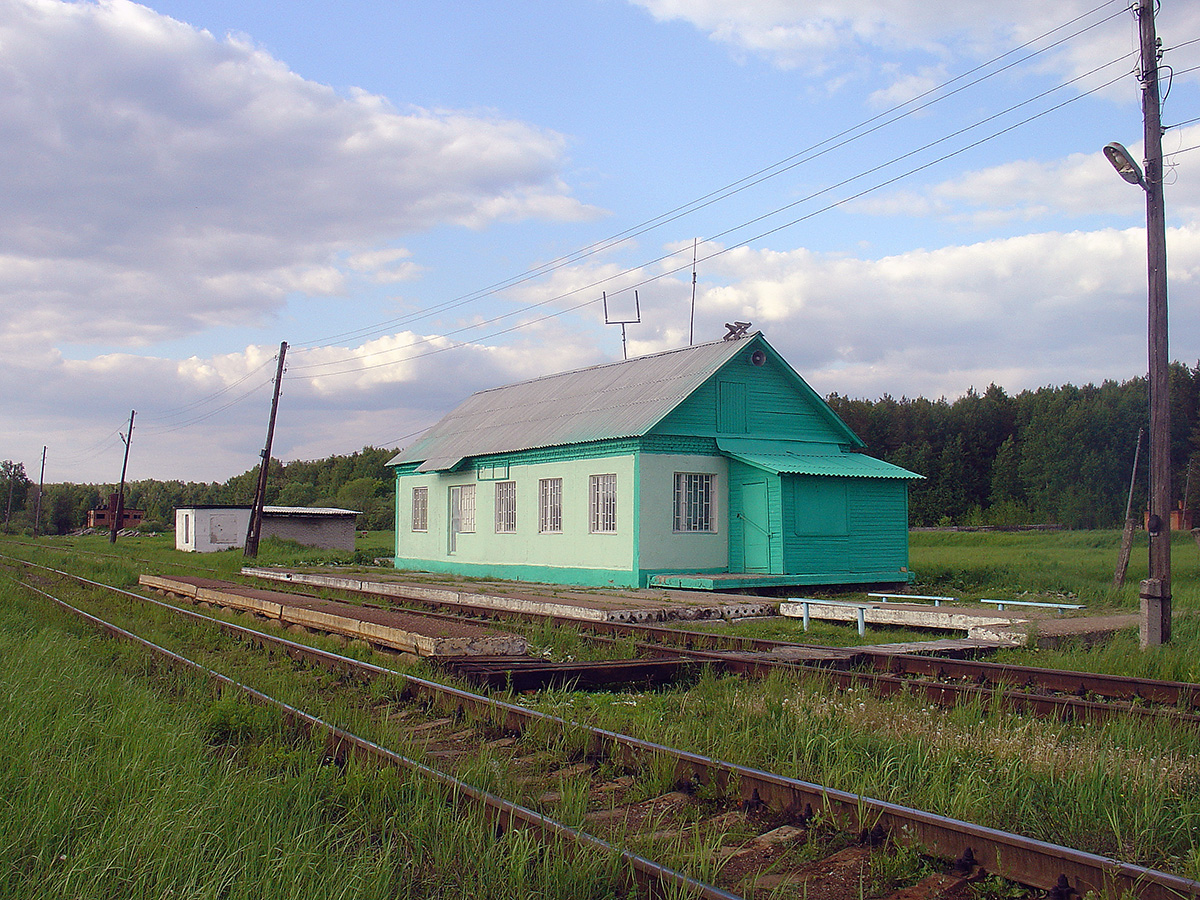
(135, 784)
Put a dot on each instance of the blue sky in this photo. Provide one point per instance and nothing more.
(188, 183)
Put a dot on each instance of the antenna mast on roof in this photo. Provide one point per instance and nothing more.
(692, 319)
(623, 322)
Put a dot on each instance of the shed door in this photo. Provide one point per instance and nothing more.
(222, 529)
(756, 526)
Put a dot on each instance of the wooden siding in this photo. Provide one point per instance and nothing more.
(873, 536)
(741, 475)
(775, 406)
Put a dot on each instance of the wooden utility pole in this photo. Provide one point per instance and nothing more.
(37, 509)
(118, 514)
(260, 493)
(1156, 590)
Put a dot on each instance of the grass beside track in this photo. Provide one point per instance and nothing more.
(1129, 791)
(124, 780)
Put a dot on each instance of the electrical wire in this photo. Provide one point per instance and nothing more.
(665, 257)
(171, 413)
(830, 144)
(179, 426)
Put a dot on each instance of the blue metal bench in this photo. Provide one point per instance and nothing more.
(861, 605)
(937, 601)
(1000, 604)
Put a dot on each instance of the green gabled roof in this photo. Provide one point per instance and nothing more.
(622, 399)
(838, 463)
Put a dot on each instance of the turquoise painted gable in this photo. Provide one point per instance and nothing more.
(756, 393)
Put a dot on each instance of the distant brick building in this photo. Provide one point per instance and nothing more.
(102, 516)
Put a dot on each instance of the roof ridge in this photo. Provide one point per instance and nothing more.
(612, 363)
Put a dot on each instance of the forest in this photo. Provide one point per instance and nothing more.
(1055, 455)
(359, 481)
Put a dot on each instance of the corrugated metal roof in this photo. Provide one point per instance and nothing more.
(307, 511)
(848, 465)
(615, 400)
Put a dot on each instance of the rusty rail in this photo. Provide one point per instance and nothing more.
(1026, 860)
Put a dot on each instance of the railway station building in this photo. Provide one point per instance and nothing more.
(709, 467)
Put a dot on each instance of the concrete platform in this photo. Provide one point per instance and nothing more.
(396, 630)
(1010, 627)
(740, 581)
(978, 623)
(543, 599)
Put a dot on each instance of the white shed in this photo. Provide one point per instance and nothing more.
(204, 529)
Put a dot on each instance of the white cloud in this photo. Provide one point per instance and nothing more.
(1080, 184)
(828, 37)
(158, 181)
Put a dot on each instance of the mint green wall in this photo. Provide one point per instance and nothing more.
(660, 547)
(486, 551)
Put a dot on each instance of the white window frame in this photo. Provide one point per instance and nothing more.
(550, 505)
(506, 507)
(602, 504)
(695, 503)
(466, 522)
(420, 509)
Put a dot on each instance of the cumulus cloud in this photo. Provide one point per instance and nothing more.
(159, 181)
(830, 37)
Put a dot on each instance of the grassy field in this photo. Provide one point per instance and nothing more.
(121, 781)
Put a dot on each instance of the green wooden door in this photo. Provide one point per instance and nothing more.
(756, 526)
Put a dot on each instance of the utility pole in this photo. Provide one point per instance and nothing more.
(118, 514)
(1156, 590)
(37, 509)
(255, 530)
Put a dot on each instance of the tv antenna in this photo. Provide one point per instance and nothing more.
(692, 320)
(623, 322)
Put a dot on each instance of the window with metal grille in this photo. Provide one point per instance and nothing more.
(602, 504)
(693, 502)
(506, 507)
(550, 505)
(420, 509)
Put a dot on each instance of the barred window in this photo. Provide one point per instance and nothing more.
(550, 505)
(506, 507)
(420, 509)
(602, 504)
(694, 502)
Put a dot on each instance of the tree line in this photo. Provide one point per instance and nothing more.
(1060, 455)
(360, 481)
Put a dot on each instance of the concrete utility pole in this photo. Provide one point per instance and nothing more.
(260, 493)
(118, 514)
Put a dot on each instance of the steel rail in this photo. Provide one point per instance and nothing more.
(654, 879)
(1026, 860)
(1167, 693)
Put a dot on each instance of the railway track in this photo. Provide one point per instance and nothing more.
(1069, 695)
(757, 828)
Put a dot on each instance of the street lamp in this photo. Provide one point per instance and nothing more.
(1122, 160)
(1155, 593)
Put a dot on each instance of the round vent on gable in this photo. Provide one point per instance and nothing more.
(758, 358)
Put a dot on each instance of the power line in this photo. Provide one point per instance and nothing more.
(667, 256)
(807, 155)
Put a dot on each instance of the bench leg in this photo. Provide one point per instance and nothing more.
(806, 617)
(862, 621)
